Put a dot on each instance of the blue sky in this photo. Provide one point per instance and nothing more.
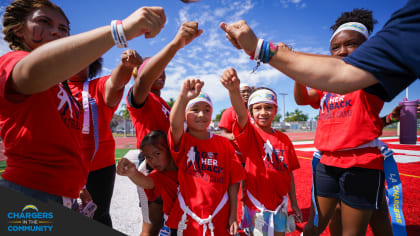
(303, 24)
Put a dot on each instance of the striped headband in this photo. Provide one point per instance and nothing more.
(356, 26)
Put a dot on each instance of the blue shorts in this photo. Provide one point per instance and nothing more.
(356, 187)
(280, 220)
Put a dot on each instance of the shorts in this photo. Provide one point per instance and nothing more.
(280, 220)
(356, 187)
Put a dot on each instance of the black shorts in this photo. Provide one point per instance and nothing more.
(356, 187)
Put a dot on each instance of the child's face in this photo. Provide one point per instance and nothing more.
(159, 82)
(157, 157)
(42, 26)
(263, 114)
(198, 116)
(345, 42)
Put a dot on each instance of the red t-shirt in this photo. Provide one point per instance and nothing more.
(206, 168)
(105, 155)
(42, 136)
(152, 115)
(227, 121)
(166, 184)
(348, 121)
(270, 157)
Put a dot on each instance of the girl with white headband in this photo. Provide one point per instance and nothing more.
(270, 159)
(209, 172)
(354, 177)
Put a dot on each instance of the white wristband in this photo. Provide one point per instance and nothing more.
(121, 34)
(258, 49)
(114, 32)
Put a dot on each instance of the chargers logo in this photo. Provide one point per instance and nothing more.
(30, 219)
(270, 96)
(30, 207)
(203, 95)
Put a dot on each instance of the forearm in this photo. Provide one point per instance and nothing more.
(157, 64)
(141, 180)
(151, 71)
(321, 72)
(238, 106)
(114, 87)
(177, 117)
(59, 60)
(227, 134)
(233, 199)
(300, 93)
(292, 192)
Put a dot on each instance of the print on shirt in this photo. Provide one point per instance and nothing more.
(68, 105)
(268, 149)
(335, 106)
(166, 111)
(193, 158)
(204, 165)
(278, 154)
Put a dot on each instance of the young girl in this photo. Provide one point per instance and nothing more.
(148, 111)
(162, 181)
(347, 174)
(270, 160)
(40, 121)
(209, 171)
(106, 93)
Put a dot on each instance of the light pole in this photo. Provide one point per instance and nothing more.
(284, 106)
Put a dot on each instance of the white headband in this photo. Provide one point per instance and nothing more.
(264, 96)
(356, 26)
(202, 97)
(243, 85)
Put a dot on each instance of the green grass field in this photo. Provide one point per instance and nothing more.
(119, 153)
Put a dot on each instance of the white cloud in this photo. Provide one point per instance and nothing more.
(106, 71)
(315, 50)
(297, 3)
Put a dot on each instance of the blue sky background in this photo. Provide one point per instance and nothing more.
(303, 24)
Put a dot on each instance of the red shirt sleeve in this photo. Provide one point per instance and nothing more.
(227, 120)
(176, 150)
(244, 136)
(153, 193)
(7, 63)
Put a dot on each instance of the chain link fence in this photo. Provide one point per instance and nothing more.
(124, 127)
(121, 127)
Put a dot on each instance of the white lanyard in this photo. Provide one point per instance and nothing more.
(282, 208)
(204, 222)
(86, 117)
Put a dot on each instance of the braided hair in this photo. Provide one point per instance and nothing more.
(15, 15)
